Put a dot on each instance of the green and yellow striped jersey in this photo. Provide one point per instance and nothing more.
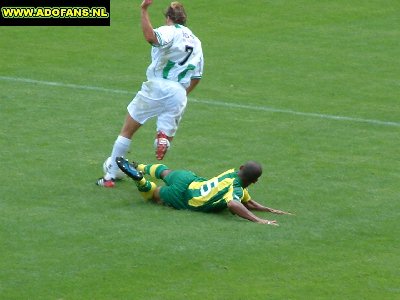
(215, 193)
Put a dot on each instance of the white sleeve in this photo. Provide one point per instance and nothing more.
(198, 72)
(165, 35)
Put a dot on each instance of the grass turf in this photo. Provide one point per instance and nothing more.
(64, 238)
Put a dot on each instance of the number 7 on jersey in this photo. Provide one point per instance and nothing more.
(189, 50)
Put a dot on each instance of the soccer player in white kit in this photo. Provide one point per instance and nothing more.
(175, 70)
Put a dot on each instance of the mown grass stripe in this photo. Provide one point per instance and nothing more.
(209, 102)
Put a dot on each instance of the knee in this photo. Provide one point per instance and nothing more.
(165, 173)
(156, 196)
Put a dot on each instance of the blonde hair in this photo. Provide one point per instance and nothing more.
(176, 12)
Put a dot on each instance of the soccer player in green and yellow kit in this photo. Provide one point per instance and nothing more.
(186, 190)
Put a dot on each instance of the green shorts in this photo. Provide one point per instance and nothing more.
(177, 182)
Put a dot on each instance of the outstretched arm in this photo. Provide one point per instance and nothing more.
(253, 205)
(239, 209)
(147, 28)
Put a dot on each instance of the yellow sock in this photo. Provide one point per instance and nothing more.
(154, 170)
(147, 190)
(141, 167)
(141, 183)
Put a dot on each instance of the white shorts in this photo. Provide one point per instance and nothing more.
(163, 98)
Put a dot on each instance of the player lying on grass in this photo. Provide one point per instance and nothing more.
(175, 70)
(186, 190)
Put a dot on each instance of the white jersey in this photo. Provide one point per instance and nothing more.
(178, 57)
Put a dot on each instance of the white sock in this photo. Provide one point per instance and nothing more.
(121, 147)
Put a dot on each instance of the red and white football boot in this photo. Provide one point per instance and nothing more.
(161, 143)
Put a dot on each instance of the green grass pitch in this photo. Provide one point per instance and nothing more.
(285, 68)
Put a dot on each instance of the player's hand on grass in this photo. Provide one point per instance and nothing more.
(146, 3)
(268, 222)
(280, 212)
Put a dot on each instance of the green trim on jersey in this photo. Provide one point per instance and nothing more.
(183, 73)
(177, 26)
(206, 188)
(214, 194)
(216, 203)
(158, 37)
(170, 64)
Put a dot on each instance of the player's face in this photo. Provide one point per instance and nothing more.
(253, 182)
(245, 181)
(248, 183)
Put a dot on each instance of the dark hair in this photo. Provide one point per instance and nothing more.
(176, 12)
(251, 171)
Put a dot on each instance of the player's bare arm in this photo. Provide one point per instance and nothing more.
(239, 209)
(193, 83)
(253, 205)
(147, 28)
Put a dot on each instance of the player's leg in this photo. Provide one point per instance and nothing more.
(170, 177)
(168, 121)
(158, 171)
(175, 192)
(140, 109)
(147, 189)
(123, 142)
(120, 148)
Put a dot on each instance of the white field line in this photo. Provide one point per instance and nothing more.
(208, 102)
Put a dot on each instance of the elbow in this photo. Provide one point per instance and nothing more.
(150, 39)
(195, 81)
